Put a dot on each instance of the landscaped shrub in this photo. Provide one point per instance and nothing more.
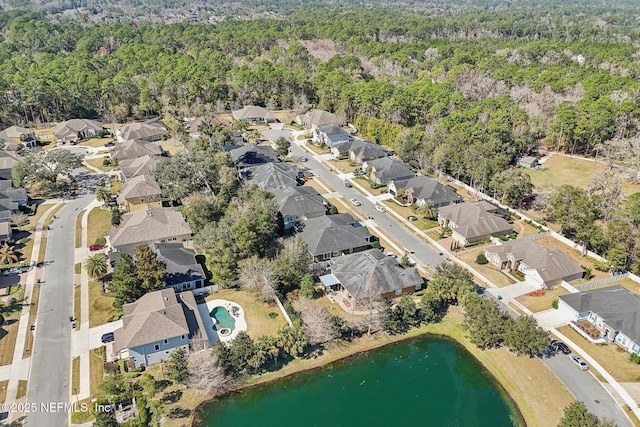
(503, 238)
(106, 162)
(272, 315)
(25, 240)
(587, 272)
(600, 265)
(481, 259)
(554, 304)
(634, 358)
(101, 241)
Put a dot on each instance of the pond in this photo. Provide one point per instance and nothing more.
(427, 381)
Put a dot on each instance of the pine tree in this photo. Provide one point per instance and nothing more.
(149, 270)
(177, 365)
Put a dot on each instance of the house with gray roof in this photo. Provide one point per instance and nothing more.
(373, 275)
(546, 268)
(386, 169)
(359, 150)
(419, 189)
(75, 129)
(334, 235)
(271, 176)
(313, 119)
(138, 166)
(474, 222)
(196, 126)
(330, 134)
(133, 149)
(156, 324)
(614, 311)
(17, 134)
(299, 204)
(149, 131)
(254, 115)
(154, 225)
(184, 273)
(253, 155)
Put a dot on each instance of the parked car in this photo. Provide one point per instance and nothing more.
(578, 362)
(355, 202)
(348, 184)
(391, 254)
(108, 337)
(358, 172)
(96, 246)
(12, 271)
(110, 144)
(380, 208)
(303, 159)
(559, 347)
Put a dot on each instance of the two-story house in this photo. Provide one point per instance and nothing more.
(140, 192)
(299, 204)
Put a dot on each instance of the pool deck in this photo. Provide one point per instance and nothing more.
(205, 309)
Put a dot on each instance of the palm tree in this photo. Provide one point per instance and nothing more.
(96, 266)
(7, 254)
(428, 209)
(102, 194)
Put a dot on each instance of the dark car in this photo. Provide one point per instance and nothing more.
(96, 246)
(559, 347)
(348, 184)
(108, 337)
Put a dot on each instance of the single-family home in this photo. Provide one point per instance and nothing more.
(254, 115)
(358, 150)
(23, 136)
(371, 275)
(138, 166)
(149, 131)
(334, 235)
(528, 162)
(156, 324)
(5, 232)
(614, 311)
(196, 127)
(330, 134)
(133, 149)
(546, 268)
(419, 189)
(271, 176)
(253, 155)
(183, 273)
(474, 222)
(153, 225)
(313, 119)
(6, 179)
(299, 204)
(140, 192)
(386, 169)
(75, 129)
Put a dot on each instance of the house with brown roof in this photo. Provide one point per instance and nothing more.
(313, 119)
(153, 225)
(474, 222)
(158, 323)
(254, 115)
(75, 129)
(133, 149)
(19, 135)
(149, 131)
(140, 192)
(138, 166)
(544, 267)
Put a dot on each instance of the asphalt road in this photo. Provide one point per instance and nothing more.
(51, 359)
(424, 254)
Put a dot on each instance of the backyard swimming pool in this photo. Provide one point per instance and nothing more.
(223, 319)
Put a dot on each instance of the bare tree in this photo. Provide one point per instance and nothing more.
(19, 219)
(258, 275)
(316, 321)
(205, 374)
(608, 191)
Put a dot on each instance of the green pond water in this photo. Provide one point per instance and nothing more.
(420, 382)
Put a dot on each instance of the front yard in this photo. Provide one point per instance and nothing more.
(541, 303)
(405, 212)
(99, 222)
(101, 308)
(551, 243)
(99, 164)
(494, 275)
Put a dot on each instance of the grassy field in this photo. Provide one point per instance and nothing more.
(96, 142)
(116, 185)
(33, 311)
(100, 305)
(27, 248)
(22, 389)
(77, 304)
(173, 149)
(8, 335)
(541, 303)
(95, 371)
(3, 390)
(99, 222)
(612, 358)
(256, 313)
(75, 375)
(97, 163)
(78, 236)
(316, 149)
(494, 275)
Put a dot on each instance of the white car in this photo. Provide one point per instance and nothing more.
(380, 209)
(355, 202)
(11, 271)
(578, 362)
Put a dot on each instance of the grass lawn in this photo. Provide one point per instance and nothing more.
(97, 163)
(95, 372)
(285, 116)
(173, 149)
(496, 277)
(345, 166)
(316, 149)
(116, 185)
(541, 303)
(42, 250)
(256, 313)
(100, 305)
(3, 390)
(77, 312)
(22, 389)
(611, 357)
(96, 142)
(626, 283)
(99, 222)
(33, 310)
(527, 230)
(77, 268)
(8, 335)
(551, 243)
(27, 248)
(75, 375)
(78, 237)
(82, 417)
(319, 185)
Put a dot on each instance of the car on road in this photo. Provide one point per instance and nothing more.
(110, 144)
(355, 202)
(12, 271)
(303, 159)
(348, 184)
(108, 337)
(578, 362)
(380, 209)
(559, 347)
(96, 246)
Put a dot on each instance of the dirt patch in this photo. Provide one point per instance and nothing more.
(322, 49)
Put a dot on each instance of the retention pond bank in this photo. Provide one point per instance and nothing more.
(422, 381)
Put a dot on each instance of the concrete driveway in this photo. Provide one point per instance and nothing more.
(273, 134)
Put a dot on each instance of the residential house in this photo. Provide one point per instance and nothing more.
(474, 222)
(313, 119)
(75, 129)
(419, 189)
(195, 127)
(6, 179)
(138, 166)
(334, 235)
(546, 268)
(183, 271)
(134, 149)
(271, 176)
(299, 204)
(614, 311)
(153, 225)
(330, 134)
(26, 138)
(149, 131)
(254, 115)
(156, 324)
(5, 232)
(253, 155)
(10, 201)
(358, 150)
(140, 192)
(386, 169)
(371, 275)
(528, 162)
(7, 161)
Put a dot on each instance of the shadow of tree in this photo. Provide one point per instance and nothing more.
(179, 413)
(171, 397)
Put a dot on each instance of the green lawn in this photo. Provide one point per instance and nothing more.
(99, 222)
(101, 307)
(97, 163)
